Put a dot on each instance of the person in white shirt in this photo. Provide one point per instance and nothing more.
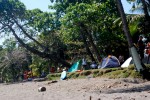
(84, 64)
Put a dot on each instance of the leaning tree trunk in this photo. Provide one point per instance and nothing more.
(39, 53)
(91, 41)
(134, 53)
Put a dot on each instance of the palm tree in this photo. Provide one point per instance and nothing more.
(133, 51)
(142, 5)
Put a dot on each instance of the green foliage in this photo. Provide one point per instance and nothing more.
(53, 76)
(98, 19)
(86, 73)
(10, 7)
(59, 34)
(39, 65)
(41, 21)
(12, 63)
(135, 74)
(70, 75)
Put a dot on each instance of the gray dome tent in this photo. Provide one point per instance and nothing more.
(109, 62)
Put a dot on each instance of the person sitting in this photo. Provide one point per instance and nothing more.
(63, 75)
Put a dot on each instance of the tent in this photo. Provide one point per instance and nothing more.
(127, 62)
(130, 61)
(76, 66)
(109, 62)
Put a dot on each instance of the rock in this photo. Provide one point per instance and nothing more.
(118, 98)
(108, 86)
(42, 89)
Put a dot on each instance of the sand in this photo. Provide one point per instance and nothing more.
(78, 89)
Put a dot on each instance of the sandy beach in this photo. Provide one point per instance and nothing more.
(78, 89)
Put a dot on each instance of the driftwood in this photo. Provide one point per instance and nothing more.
(39, 79)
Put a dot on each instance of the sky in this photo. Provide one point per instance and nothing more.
(43, 5)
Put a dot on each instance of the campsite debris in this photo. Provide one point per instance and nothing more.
(39, 79)
(108, 86)
(125, 85)
(89, 76)
(118, 98)
(132, 99)
(90, 97)
(52, 82)
(148, 92)
(100, 91)
(42, 89)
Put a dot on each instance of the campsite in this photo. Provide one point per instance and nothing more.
(74, 49)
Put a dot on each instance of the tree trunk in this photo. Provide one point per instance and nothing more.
(147, 17)
(135, 56)
(39, 53)
(91, 42)
(42, 46)
(86, 45)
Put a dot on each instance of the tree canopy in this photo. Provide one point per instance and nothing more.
(77, 28)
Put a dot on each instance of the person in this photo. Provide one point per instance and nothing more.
(148, 51)
(121, 59)
(63, 75)
(84, 64)
(43, 74)
(141, 47)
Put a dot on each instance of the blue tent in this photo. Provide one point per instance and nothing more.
(109, 62)
(76, 66)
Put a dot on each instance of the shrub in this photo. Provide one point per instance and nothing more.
(87, 72)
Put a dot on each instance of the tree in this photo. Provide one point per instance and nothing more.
(141, 5)
(133, 51)
(144, 6)
(95, 22)
(13, 63)
(13, 20)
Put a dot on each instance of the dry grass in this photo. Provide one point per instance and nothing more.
(112, 73)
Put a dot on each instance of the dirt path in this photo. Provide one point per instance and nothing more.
(79, 89)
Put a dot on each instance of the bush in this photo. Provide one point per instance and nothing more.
(86, 73)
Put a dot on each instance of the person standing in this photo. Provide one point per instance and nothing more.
(63, 75)
(121, 59)
(141, 47)
(148, 51)
(84, 64)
